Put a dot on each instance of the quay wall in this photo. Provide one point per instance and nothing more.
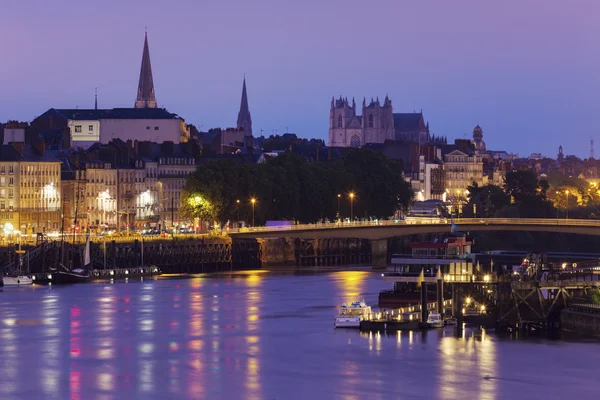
(580, 322)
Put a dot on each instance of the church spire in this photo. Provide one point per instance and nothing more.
(244, 120)
(96, 99)
(145, 93)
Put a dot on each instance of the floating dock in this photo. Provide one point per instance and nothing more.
(46, 278)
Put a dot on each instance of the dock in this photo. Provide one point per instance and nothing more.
(46, 278)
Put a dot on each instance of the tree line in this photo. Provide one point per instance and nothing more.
(365, 184)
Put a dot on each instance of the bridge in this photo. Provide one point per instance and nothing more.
(378, 232)
(385, 229)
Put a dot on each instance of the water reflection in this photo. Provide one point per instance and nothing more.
(467, 360)
(256, 336)
(351, 284)
(252, 369)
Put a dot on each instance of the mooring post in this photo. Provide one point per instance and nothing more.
(459, 313)
(114, 253)
(423, 303)
(440, 292)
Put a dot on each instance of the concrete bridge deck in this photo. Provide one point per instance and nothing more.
(384, 229)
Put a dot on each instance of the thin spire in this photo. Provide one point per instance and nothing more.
(244, 120)
(96, 99)
(145, 95)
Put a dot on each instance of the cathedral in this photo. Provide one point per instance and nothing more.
(377, 124)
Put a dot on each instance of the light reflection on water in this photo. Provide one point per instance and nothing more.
(258, 336)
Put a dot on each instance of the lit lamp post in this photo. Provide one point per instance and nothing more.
(351, 195)
(237, 206)
(253, 201)
(104, 196)
(567, 205)
(338, 211)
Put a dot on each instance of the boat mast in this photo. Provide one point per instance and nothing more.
(76, 201)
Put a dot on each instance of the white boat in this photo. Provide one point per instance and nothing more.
(20, 280)
(351, 315)
(435, 320)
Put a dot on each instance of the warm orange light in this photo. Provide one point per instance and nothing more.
(351, 195)
(339, 195)
(253, 200)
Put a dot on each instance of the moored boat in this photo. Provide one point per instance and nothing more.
(20, 280)
(64, 276)
(434, 320)
(351, 315)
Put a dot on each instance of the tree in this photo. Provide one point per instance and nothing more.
(485, 201)
(528, 195)
(521, 184)
(288, 187)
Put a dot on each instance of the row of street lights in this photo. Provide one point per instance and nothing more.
(351, 197)
(252, 201)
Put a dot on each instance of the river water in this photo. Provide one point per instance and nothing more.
(259, 335)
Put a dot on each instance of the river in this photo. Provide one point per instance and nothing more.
(259, 335)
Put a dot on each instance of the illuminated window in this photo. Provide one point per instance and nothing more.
(78, 128)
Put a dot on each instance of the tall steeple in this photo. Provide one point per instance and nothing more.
(96, 99)
(145, 94)
(244, 120)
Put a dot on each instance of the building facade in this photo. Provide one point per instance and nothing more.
(30, 189)
(462, 170)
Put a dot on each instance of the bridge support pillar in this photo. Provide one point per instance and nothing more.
(379, 253)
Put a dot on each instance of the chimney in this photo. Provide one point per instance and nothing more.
(67, 141)
(18, 146)
(167, 148)
(135, 147)
(39, 147)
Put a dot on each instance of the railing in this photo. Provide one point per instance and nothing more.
(430, 257)
(424, 221)
(586, 308)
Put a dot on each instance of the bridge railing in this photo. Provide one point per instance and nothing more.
(424, 221)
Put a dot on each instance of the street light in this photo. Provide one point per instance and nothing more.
(567, 206)
(338, 212)
(351, 195)
(237, 206)
(253, 201)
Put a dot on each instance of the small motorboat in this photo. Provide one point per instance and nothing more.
(351, 315)
(435, 321)
(19, 280)
(451, 321)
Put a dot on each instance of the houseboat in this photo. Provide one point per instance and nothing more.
(450, 254)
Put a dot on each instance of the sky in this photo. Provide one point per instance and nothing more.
(527, 71)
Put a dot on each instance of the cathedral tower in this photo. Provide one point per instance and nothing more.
(145, 93)
(244, 120)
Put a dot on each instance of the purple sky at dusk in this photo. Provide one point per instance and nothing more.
(525, 70)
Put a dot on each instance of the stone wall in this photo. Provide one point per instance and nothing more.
(580, 322)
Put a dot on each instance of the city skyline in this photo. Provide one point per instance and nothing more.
(510, 72)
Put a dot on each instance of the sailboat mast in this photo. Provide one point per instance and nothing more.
(76, 200)
(142, 250)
